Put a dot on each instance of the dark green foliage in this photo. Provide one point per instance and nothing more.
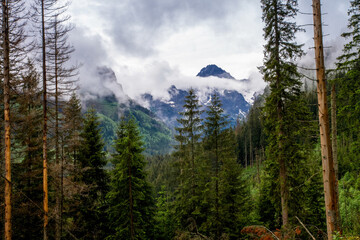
(348, 119)
(348, 84)
(350, 203)
(287, 118)
(163, 172)
(90, 218)
(250, 135)
(165, 217)
(188, 151)
(233, 193)
(224, 186)
(351, 51)
(131, 202)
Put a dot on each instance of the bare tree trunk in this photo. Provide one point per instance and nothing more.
(6, 58)
(45, 168)
(329, 178)
(57, 161)
(334, 149)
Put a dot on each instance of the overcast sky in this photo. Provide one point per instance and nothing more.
(151, 44)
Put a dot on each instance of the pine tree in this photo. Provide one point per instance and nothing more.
(189, 191)
(284, 107)
(213, 141)
(90, 219)
(131, 202)
(351, 51)
(348, 115)
(348, 83)
(233, 193)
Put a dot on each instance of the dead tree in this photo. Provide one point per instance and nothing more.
(329, 178)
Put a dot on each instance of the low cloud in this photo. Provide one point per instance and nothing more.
(158, 77)
(153, 44)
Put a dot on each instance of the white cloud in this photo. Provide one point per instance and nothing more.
(152, 44)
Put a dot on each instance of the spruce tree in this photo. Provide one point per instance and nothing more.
(284, 107)
(213, 143)
(189, 191)
(348, 119)
(90, 219)
(132, 206)
(225, 186)
(234, 194)
(348, 83)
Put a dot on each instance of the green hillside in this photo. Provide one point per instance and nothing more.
(157, 136)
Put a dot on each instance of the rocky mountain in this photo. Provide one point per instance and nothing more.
(215, 71)
(234, 103)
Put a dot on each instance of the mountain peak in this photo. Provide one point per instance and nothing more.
(213, 70)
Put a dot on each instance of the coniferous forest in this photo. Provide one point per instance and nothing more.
(290, 169)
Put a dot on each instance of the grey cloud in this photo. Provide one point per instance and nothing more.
(137, 25)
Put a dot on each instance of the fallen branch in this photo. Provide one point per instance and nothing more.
(305, 228)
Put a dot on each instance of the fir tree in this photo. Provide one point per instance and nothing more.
(131, 202)
(285, 110)
(189, 192)
(348, 114)
(90, 218)
(214, 145)
(348, 83)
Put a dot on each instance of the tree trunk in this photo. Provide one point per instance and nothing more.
(57, 161)
(329, 178)
(6, 58)
(334, 149)
(45, 171)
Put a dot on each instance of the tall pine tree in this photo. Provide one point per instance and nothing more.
(132, 207)
(90, 218)
(189, 133)
(225, 186)
(285, 110)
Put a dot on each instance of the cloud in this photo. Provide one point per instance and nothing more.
(153, 44)
(158, 77)
(135, 27)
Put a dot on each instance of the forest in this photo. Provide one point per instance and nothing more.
(272, 176)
